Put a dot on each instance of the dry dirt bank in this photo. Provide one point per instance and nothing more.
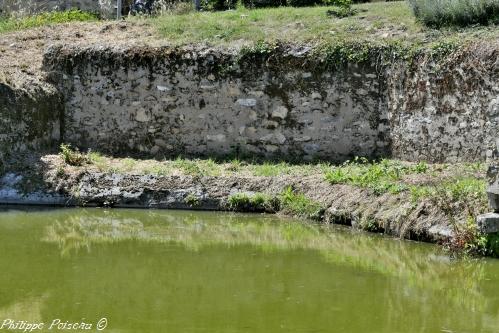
(21, 52)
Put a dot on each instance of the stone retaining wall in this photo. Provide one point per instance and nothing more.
(286, 104)
(30, 119)
(446, 110)
(165, 102)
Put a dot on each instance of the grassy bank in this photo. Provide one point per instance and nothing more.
(430, 202)
(453, 194)
(379, 23)
(289, 24)
(382, 22)
(459, 186)
(45, 19)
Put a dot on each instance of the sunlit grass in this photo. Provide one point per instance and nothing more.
(376, 23)
(383, 176)
(299, 205)
(43, 19)
(284, 24)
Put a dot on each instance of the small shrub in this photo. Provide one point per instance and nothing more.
(438, 13)
(235, 165)
(191, 200)
(72, 156)
(129, 164)
(341, 12)
(197, 168)
(187, 166)
(60, 172)
(338, 176)
(421, 167)
(491, 244)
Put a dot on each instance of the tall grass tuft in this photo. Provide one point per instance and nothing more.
(438, 13)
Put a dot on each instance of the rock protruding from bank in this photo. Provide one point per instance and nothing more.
(489, 223)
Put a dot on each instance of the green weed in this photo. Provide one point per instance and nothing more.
(271, 170)
(299, 205)
(72, 156)
(192, 200)
(381, 177)
(257, 202)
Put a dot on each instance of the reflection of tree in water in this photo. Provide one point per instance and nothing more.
(420, 265)
(78, 232)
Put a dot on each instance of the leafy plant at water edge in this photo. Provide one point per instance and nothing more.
(299, 205)
(458, 197)
(491, 242)
(257, 202)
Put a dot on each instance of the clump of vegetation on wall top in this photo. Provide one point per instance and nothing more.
(438, 13)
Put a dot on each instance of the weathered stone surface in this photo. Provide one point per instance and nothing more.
(493, 196)
(446, 110)
(488, 223)
(29, 118)
(134, 100)
(252, 109)
(280, 112)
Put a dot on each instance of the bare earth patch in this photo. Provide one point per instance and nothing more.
(21, 52)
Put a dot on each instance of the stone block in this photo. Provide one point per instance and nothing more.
(493, 196)
(488, 223)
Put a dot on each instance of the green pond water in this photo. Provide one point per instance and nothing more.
(176, 271)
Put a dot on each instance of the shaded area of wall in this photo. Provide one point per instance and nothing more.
(29, 119)
(207, 102)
